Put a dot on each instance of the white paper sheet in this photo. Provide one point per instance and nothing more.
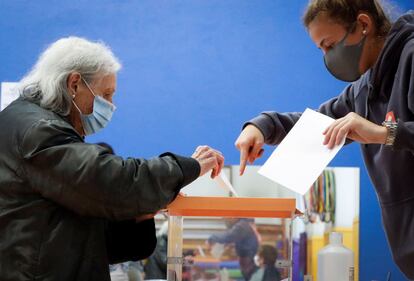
(8, 94)
(301, 157)
(224, 183)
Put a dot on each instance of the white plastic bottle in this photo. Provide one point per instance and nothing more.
(335, 261)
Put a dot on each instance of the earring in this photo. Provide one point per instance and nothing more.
(364, 32)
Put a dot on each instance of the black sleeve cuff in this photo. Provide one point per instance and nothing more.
(189, 167)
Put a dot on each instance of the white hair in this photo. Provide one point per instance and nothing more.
(46, 83)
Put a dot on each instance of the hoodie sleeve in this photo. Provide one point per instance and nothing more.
(404, 138)
(88, 180)
(275, 126)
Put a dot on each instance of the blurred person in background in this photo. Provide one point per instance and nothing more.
(243, 234)
(265, 259)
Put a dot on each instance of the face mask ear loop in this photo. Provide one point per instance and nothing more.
(73, 96)
(77, 107)
(87, 85)
(351, 30)
(348, 31)
(73, 101)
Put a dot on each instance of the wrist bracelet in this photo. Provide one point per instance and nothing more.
(391, 131)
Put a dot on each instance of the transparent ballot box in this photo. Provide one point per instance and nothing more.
(230, 238)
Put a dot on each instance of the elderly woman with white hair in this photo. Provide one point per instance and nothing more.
(68, 208)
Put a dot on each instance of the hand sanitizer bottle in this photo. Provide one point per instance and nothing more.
(335, 261)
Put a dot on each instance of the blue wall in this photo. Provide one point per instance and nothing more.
(193, 72)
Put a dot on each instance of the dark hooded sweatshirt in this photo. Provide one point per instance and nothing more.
(388, 87)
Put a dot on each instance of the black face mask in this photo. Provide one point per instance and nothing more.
(342, 60)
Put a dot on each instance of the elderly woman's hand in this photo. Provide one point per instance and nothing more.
(209, 159)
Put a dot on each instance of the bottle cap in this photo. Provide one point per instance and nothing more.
(335, 238)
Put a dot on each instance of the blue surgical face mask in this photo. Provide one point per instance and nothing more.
(100, 116)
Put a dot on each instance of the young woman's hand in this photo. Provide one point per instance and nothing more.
(250, 143)
(356, 128)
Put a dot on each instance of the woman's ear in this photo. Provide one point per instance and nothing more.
(73, 81)
(365, 21)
